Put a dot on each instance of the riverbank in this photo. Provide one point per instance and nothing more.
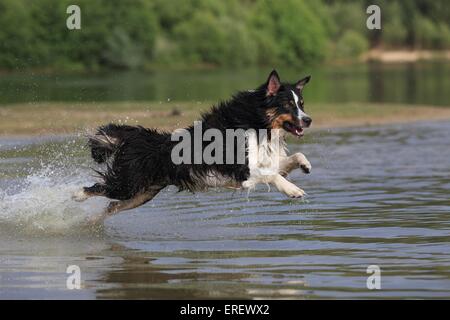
(405, 56)
(68, 118)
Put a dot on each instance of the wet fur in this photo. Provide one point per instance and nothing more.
(138, 160)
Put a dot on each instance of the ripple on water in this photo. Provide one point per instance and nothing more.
(376, 196)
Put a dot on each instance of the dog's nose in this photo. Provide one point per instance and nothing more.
(307, 121)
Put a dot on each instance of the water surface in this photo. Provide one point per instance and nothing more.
(377, 196)
(423, 83)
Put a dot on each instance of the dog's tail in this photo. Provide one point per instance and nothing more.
(107, 140)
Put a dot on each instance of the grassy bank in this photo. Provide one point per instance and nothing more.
(57, 118)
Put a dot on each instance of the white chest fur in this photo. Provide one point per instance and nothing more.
(264, 157)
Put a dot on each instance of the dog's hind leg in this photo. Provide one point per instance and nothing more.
(118, 206)
(85, 193)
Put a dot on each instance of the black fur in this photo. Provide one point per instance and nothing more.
(138, 159)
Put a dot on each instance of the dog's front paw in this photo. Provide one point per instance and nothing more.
(303, 163)
(292, 191)
(247, 184)
(305, 168)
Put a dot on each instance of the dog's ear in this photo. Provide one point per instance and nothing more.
(301, 83)
(273, 84)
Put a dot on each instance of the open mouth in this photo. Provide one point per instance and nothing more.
(294, 129)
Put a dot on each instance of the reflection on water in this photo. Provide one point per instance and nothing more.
(377, 196)
(419, 83)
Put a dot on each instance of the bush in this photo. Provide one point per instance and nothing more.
(443, 41)
(393, 31)
(121, 51)
(348, 16)
(202, 39)
(15, 34)
(114, 34)
(351, 45)
(296, 33)
(133, 33)
(241, 46)
(34, 33)
(426, 33)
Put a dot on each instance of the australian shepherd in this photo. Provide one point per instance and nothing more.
(138, 162)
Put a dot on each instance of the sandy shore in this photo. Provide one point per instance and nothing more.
(401, 56)
(58, 118)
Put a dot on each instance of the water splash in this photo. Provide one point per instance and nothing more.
(41, 202)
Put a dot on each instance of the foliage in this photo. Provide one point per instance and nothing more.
(293, 28)
(351, 45)
(234, 33)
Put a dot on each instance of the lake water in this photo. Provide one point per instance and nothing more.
(417, 83)
(377, 196)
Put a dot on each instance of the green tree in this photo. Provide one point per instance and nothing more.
(15, 34)
(298, 34)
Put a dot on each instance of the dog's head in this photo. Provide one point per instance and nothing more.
(285, 108)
